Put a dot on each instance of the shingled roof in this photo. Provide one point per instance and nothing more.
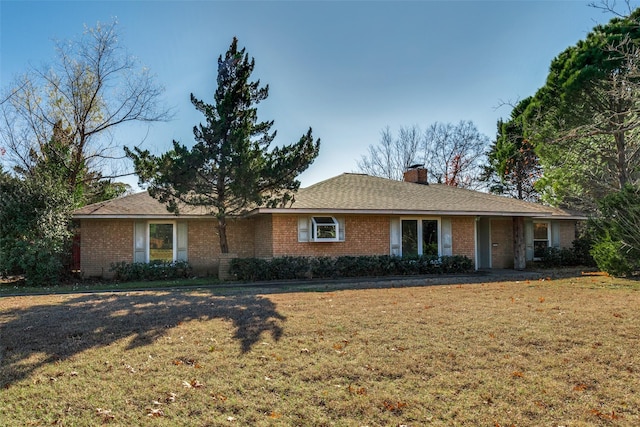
(355, 193)
(133, 205)
(352, 192)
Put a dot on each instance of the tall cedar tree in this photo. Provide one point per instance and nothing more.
(513, 166)
(230, 169)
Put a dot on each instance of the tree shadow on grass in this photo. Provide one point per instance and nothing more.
(37, 335)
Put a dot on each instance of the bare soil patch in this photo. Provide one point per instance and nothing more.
(524, 353)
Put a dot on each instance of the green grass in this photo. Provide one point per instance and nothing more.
(18, 287)
(527, 353)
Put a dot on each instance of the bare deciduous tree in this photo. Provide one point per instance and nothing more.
(392, 156)
(454, 154)
(93, 87)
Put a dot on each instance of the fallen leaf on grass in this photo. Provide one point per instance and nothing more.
(580, 387)
(155, 412)
(219, 397)
(275, 415)
(517, 374)
(105, 414)
(393, 407)
(611, 416)
(193, 384)
(357, 390)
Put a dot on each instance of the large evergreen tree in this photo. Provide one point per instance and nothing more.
(513, 166)
(231, 167)
(587, 116)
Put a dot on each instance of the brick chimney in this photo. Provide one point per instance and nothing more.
(416, 174)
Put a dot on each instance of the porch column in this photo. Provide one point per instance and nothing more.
(519, 246)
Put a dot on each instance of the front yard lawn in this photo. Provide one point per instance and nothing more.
(527, 353)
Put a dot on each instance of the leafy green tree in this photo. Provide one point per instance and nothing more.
(586, 117)
(34, 214)
(230, 168)
(512, 168)
(56, 160)
(617, 244)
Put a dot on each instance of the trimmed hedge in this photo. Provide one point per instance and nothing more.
(155, 270)
(577, 255)
(288, 268)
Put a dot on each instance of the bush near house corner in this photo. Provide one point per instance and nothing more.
(287, 268)
(578, 255)
(155, 270)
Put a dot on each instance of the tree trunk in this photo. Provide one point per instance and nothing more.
(622, 159)
(222, 232)
(519, 244)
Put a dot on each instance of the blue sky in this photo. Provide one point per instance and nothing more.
(347, 69)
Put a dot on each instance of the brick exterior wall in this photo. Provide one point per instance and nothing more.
(364, 235)
(263, 236)
(463, 237)
(204, 243)
(502, 243)
(104, 241)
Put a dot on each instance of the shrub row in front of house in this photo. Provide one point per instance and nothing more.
(286, 268)
(577, 255)
(155, 270)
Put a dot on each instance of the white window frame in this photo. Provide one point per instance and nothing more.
(175, 238)
(314, 229)
(548, 223)
(420, 243)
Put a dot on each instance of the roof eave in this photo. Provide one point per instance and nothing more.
(398, 212)
(141, 216)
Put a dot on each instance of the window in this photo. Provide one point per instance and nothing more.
(324, 229)
(541, 232)
(161, 242)
(321, 229)
(420, 237)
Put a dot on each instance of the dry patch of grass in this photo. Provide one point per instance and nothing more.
(524, 353)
